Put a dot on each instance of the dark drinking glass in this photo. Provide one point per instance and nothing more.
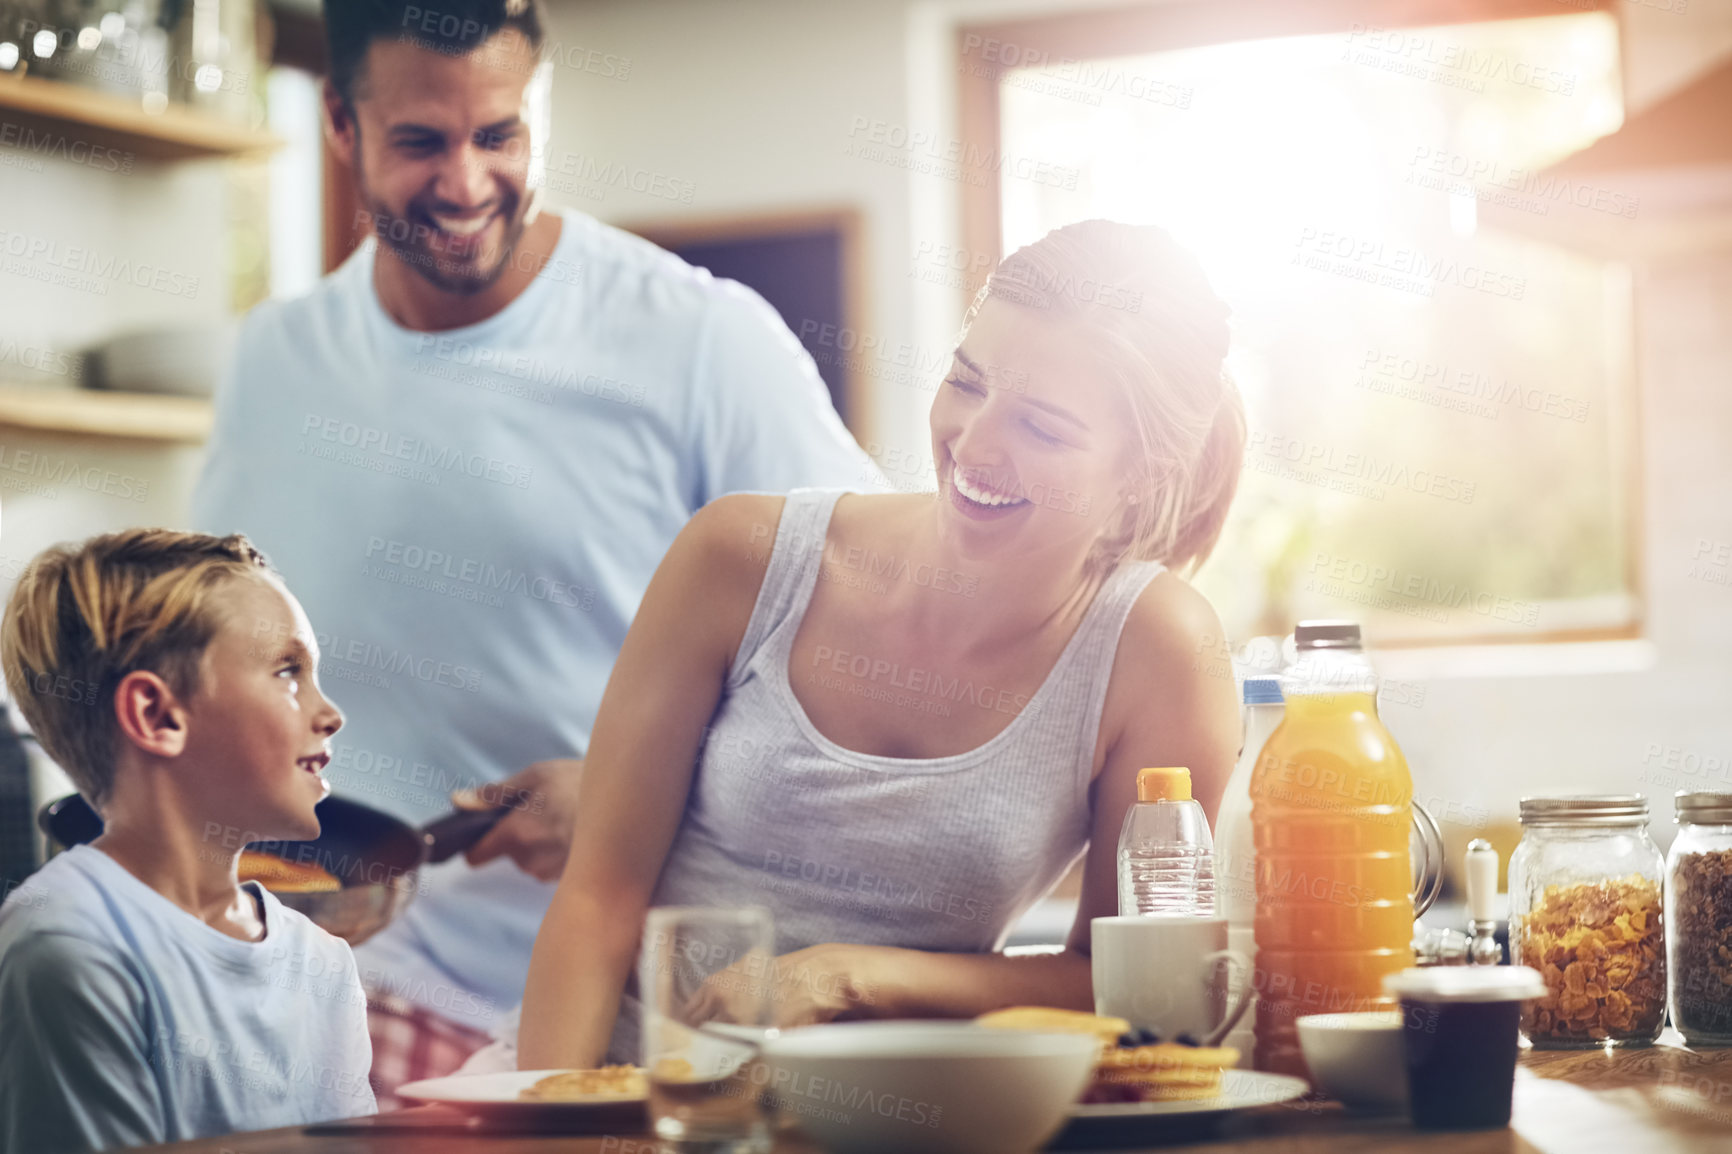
(1459, 1027)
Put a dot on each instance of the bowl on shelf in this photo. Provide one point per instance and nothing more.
(185, 361)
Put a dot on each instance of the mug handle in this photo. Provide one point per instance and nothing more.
(1430, 880)
(1238, 1008)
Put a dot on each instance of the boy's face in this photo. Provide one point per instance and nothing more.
(258, 729)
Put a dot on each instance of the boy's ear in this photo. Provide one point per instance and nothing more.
(149, 714)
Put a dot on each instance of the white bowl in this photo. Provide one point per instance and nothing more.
(188, 361)
(1359, 1059)
(928, 1087)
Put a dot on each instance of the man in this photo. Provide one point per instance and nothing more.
(467, 450)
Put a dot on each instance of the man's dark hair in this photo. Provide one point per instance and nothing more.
(454, 27)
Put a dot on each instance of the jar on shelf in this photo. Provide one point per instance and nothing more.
(1699, 919)
(1586, 912)
(214, 59)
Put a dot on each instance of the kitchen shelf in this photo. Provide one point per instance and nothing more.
(176, 133)
(93, 413)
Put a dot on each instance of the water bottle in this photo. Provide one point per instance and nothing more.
(1166, 856)
(1235, 851)
(1236, 857)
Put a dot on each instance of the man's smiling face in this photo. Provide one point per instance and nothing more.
(442, 153)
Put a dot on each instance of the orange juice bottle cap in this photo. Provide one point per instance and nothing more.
(1165, 783)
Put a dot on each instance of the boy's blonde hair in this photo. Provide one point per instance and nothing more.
(84, 616)
(1154, 323)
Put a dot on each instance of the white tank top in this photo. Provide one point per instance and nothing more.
(941, 853)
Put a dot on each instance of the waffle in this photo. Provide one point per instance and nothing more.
(609, 1083)
(1051, 1020)
(1163, 1072)
(282, 876)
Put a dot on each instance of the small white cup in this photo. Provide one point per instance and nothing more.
(1359, 1058)
(1164, 973)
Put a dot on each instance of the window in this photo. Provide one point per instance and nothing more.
(295, 181)
(1440, 411)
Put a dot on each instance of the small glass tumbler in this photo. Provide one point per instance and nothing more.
(706, 980)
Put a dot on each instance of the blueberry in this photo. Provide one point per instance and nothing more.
(1148, 1037)
(1187, 1040)
(1127, 1041)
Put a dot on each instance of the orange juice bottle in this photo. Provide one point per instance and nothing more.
(1331, 809)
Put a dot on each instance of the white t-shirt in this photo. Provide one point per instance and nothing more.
(471, 517)
(125, 1020)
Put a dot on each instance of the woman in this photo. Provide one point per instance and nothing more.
(897, 720)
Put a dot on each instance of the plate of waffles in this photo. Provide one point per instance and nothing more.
(1144, 1088)
(611, 1095)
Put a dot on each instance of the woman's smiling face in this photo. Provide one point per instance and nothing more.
(1031, 440)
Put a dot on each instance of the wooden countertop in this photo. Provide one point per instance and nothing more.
(1661, 1100)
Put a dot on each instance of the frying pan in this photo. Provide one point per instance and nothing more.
(377, 857)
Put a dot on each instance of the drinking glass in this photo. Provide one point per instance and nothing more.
(706, 978)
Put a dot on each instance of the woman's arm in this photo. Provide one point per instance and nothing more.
(1166, 705)
(662, 693)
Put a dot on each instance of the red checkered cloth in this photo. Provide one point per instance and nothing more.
(411, 1043)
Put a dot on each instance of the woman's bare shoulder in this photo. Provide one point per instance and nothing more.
(1172, 694)
(1173, 657)
(1171, 618)
(731, 538)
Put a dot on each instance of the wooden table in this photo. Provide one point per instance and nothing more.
(1660, 1100)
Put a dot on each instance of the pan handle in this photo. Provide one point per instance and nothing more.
(450, 835)
(69, 821)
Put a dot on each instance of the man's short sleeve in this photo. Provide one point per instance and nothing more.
(75, 1072)
(766, 421)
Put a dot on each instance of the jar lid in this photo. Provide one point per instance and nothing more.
(1585, 809)
(1326, 635)
(1702, 807)
(1466, 984)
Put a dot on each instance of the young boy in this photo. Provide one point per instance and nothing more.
(145, 994)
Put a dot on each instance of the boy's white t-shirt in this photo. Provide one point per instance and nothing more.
(470, 519)
(125, 1020)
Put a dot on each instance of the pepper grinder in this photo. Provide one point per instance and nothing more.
(1481, 895)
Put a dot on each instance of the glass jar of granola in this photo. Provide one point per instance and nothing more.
(1585, 911)
(1699, 919)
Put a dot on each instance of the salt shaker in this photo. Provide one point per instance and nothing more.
(1481, 873)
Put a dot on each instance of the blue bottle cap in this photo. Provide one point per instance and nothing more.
(1263, 691)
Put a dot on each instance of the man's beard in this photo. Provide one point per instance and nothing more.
(415, 243)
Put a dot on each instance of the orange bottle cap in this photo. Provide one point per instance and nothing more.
(1166, 783)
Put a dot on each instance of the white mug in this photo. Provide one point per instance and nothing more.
(1163, 972)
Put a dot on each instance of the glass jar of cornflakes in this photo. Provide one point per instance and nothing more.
(1585, 911)
(1699, 919)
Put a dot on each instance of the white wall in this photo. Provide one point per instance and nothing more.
(750, 102)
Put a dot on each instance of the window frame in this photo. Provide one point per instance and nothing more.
(1156, 26)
